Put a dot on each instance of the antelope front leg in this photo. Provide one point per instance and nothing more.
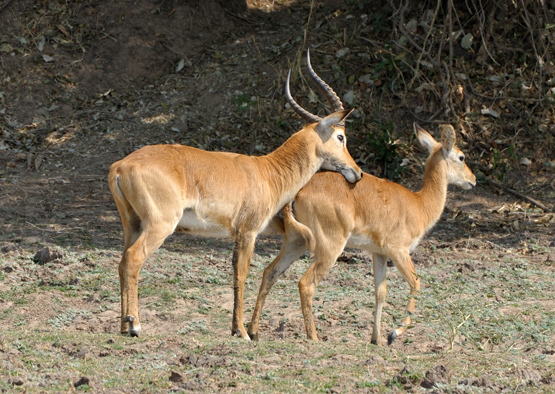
(406, 267)
(380, 269)
(242, 255)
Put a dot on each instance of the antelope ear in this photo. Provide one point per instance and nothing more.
(448, 138)
(424, 138)
(325, 125)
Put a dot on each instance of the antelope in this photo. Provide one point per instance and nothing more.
(375, 215)
(159, 189)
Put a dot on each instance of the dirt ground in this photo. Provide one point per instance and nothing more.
(83, 84)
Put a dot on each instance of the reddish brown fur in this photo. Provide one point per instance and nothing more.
(161, 188)
(374, 214)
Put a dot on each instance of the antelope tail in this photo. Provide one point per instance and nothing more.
(291, 225)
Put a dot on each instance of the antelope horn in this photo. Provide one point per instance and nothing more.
(328, 92)
(303, 113)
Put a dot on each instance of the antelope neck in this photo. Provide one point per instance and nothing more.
(434, 188)
(292, 165)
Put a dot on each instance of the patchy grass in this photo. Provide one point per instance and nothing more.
(488, 322)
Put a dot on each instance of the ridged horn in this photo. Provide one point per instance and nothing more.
(328, 92)
(303, 113)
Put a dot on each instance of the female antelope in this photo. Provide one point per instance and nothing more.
(375, 215)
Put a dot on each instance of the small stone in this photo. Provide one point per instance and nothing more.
(527, 376)
(375, 360)
(45, 255)
(525, 161)
(9, 248)
(341, 52)
(81, 354)
(81, 382)
(176, 377)
(436, 375)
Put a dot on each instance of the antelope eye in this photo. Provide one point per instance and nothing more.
(340, 137)
(461, 158)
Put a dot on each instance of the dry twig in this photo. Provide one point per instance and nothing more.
(521, 195)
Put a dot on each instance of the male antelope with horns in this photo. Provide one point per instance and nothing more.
(375, 215)
(159, 189)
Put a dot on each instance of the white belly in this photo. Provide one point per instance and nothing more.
(192, 223)
(360, 242)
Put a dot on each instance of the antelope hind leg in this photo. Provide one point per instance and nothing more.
(406, 267)
(325, 255)
(130, 265)
(291, 250)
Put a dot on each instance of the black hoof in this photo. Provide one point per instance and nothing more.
(235, 333)
(134, 330)
(253, 336)
(374, 342)
(391, 338)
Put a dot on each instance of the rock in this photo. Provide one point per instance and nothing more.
(436, 375)
(274, 322)
(9, 248)
(375, 360)
(82, 354)
(81, 382)
(46, 255)
(16, 382)
(527, 376)
(176, 377)
(341, 52)
(281, 327)
(198, 360)
(350, 98)
(483, 382)
(465, 268)
(404, 377)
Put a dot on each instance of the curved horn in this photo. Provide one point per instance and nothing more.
(303, 113)
(328, 92)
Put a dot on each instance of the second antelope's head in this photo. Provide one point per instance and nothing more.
(331, 129)
(457, 172)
